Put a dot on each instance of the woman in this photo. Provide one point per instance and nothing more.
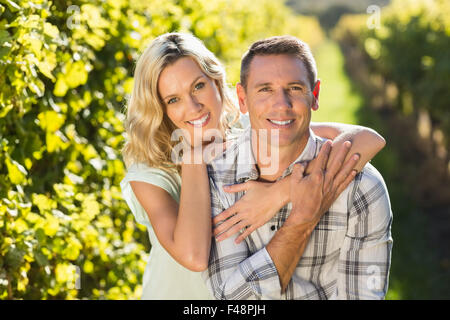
(176, 80)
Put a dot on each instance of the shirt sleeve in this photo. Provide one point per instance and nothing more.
(236, 273)
(365, 257)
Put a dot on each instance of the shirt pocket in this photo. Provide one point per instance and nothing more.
(330, 232)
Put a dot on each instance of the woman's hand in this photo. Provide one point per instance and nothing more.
(206, 153)
(253, 210)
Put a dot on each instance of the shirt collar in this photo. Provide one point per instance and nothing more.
(310, 151)
(246, 164)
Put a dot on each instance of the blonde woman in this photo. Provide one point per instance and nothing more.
(180, 84)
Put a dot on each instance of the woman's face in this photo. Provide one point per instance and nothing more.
(192, 99)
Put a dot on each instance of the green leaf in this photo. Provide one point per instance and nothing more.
(16, 172)
(38, 87)
(51, 121)
(4, 111)
(51, 226)
(47, 65)
(14, 257)
(40, 235)
(14, 7)
(43, 202)
(4, 36)
(41, 259)
(76, 74)
(61, 87)
(51, 30)
(72, 249)
(53, 142)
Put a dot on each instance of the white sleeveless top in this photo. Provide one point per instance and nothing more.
(164, 278)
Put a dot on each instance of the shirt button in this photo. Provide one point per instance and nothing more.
(272, 228)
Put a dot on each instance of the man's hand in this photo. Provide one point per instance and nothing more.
(307, 191)
(337, 174)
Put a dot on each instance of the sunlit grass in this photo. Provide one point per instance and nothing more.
(337, 101)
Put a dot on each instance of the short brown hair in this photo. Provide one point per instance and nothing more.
(289, 45)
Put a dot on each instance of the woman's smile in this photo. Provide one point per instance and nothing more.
(201, 121)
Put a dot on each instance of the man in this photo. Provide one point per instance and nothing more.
(298, 254)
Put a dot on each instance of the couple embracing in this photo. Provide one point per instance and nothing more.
(287, 209)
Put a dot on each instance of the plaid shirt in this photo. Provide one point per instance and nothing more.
(347, 256)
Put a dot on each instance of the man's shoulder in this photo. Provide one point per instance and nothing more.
(369, 190)
(369, 177)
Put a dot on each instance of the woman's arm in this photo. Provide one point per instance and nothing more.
(184, 230)
(365, 141)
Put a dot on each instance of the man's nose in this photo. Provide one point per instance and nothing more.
(282, 99)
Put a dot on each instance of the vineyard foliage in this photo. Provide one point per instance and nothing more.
(407, 43)
(66, 69)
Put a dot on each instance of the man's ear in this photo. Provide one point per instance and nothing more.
(315, 103)
(240, 90)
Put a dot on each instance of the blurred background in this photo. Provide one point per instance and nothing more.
(66, 69)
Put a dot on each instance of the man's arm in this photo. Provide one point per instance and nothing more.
(365, 258)
(234, 271)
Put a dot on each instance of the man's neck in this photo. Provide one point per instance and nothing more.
(272, 160)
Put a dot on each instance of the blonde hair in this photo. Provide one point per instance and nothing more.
(147, 125)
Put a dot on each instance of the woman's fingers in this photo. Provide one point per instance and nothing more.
(320, 162)
(346, 170)
(226, 224)
(236, 187)
(238, 226)
(225, 214)
(297, 172)
(335, 163)
(245, 234)
(324, 153)
(346, 182)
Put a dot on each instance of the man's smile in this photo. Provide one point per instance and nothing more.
(280, 123)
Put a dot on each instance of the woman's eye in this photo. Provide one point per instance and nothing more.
(199, 85)
(172, 100)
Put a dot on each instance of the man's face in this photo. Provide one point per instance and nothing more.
(278, 96)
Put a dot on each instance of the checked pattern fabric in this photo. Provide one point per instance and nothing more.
(348, 255)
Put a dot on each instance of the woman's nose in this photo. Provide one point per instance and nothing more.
(194, 103)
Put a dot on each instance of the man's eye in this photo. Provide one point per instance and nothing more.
(264, 89)
(297, 88)
(199, 85)
(172, 100)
